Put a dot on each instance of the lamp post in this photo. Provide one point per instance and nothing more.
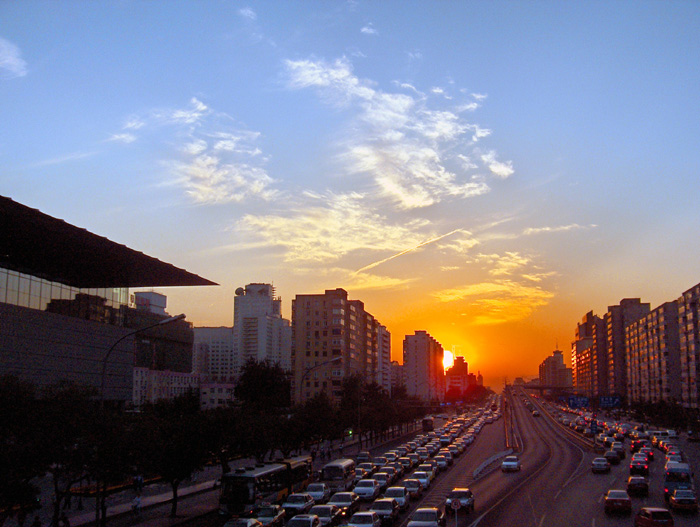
(109, 351)
(308, 370)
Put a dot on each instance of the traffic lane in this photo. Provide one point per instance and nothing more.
(549, 460)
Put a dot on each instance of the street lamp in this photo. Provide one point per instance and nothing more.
(109, 351)
(308, 370)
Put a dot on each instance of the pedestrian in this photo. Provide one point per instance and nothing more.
(136, 506)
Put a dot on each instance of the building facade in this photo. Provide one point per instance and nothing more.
(423, 366)
(553, 371)
(259, 331)
(589, 357)
(384, 358)
(458, 379)
(653, 356)
(332, 338)
(689, 341)
(213, 357)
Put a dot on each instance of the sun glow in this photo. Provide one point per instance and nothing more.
(447, 360)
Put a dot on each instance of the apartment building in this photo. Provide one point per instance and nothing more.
(423, 366)
(616, 319)
(689, 328)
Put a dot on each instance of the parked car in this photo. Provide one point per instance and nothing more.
(653, 517)
(464, 496)
(683, 500)
(600, 465)
(618, 501)
(387, 509)
(330, 515)
(510, 464)
(365, 519)
(271, 515)
(304, 520)
(347, 502)
(319, 492)
(298, 503)
(427, 517)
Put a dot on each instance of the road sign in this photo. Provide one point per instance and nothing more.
(576, 401)
(610, 401)
(456, 504)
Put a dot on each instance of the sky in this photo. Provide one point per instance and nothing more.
(485, 171)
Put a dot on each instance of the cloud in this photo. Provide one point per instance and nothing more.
(500, 169)
(123, 138)
(11, 63)
(247, 12)
(562, 228)
(461, 244)
(505, 264)
(191, 115)
(397, 140)
(64, 159)
(498, 301)
(326, 227)
(368, 29)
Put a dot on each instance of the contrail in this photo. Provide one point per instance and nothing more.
(375, 264)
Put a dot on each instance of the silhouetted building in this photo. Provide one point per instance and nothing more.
(553, 371)
(589, 357)
(423, 366)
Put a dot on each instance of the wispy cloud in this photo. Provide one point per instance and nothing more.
(406, 251)
(123, 138)
(326, 227)
(75, 156)
(11, 63)
(369, 29)
(560, 228)
(247, 12)
(461, 244)
(401, 143)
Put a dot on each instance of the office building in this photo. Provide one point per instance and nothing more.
(332, 338)
(64, 303)
(423, 366)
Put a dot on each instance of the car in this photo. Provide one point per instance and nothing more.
(637, 486)
(441, 461)
(298, 503)
(365, 519)
(600, 465)
(329, 515)
(367, 466)
(648, 451)
(383, 479)
(400, 494)
(319, 492)
(304, 520)
(391, 472)
(639, 467)
(427, 517)
(367, 489)
(387, 509)
(398, 467)
(619, 448)
(271, 515)
(683, 500)
(243, 522)
(414, 488)
(464, 496)
(612, 457)
(535, 413)
(423, 477)
(653, 517)
(363, 457)
(347, 502)
(510, 464)
(617, 501)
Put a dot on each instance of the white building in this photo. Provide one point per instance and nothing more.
(153, 385)
(215, 395)
(259, 331)
(213, 356)
(423, 367)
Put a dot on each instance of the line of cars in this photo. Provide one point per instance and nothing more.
(389, 482)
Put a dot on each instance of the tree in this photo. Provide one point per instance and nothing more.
(264, 386)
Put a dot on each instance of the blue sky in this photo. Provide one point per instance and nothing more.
(486, 171)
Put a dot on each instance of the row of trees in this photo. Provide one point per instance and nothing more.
(66, 433)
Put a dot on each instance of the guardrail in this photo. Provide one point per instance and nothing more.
(485, 464)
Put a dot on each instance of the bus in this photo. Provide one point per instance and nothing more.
(428, 424)
(339, 475)
(245, 489)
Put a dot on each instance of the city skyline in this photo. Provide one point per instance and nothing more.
(487, 172)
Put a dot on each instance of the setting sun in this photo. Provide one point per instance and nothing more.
(448, 360)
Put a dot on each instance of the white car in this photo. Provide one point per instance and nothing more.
(319, 492)
(423, 477)
(367, 489)
(510, 464)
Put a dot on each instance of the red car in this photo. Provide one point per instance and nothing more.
(653, 517)
(618, 501)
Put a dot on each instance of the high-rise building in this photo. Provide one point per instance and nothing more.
(689, 328)
(457, 378)
(423, 366)
(384, 356)
(653, 356)
(213, 358)
(589, 357)
(332, 338)
(616, 319)
(553, 371)
(259, 331)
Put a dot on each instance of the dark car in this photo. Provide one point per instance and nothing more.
(638, 467)
(330, 515)
(427, 517)
(653, 517)
(347, 502)
(271, 515)
(600, 465)
(387, 509)
(683, 500)
(637, 486)
(612, 457)
(414, 488)
(464, 496)
(298, 503)
(304, 520)
(618, 501)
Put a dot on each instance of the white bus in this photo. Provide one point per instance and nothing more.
(339, 475)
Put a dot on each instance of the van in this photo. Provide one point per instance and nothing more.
(677, 476)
